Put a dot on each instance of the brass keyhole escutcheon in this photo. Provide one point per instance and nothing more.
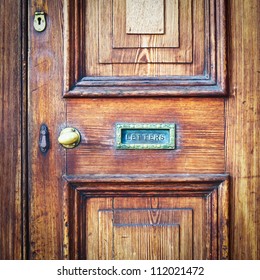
(69, 138)
(39, 22)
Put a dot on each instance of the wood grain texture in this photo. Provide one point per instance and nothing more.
(145, 17)
(11, 150)
(243, 133)
(171, 33)
(151, 178)
(96, 29)
(116, 22)
(46, 106)
(48, 232)
(184, 223)
(73, 56)
(143, 49)
(199, 136)
(146, 239)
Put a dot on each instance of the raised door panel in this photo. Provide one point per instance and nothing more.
(144, 17)
(133, 48)
(155, 218)
(141, 237)
(111, 51)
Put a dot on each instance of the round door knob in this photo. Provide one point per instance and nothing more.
(69, 137)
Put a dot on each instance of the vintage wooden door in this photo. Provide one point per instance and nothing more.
(143, 81)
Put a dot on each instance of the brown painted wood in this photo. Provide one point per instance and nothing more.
(11, 148)
(243, 131)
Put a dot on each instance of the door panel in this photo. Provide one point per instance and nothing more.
(127, 47)
(199, 136)
(161, 204)
(103, 59)
(151, 217)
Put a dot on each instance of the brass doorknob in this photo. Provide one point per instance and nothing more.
(69, 137)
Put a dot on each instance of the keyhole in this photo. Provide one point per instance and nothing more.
(39, 22)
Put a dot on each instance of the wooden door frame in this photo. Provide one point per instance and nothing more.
(13, 160)
(242, 118)
(243, 127)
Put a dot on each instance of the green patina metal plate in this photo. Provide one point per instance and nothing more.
(145, 136)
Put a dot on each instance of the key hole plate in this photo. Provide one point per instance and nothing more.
(39, 22)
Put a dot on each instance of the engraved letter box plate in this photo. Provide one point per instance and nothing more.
(139, 136)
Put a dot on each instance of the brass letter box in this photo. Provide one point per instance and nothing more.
(153, 136)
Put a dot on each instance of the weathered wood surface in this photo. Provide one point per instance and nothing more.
(243, 127)
(199, 136)
(48, 232)
(115, 219)
(46, 106)
(11, 233)
(145, 17)
(193, 46)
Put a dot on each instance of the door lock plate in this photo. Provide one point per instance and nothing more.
(39, 22)
(44, 140)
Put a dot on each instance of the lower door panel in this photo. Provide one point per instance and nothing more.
(135, 204)
(149, 218)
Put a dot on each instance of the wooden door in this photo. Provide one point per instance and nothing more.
(144, 84)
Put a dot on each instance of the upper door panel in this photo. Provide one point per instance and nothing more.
(144, 48)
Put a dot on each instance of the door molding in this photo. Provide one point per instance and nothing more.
(190, 201)
(108, 47)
